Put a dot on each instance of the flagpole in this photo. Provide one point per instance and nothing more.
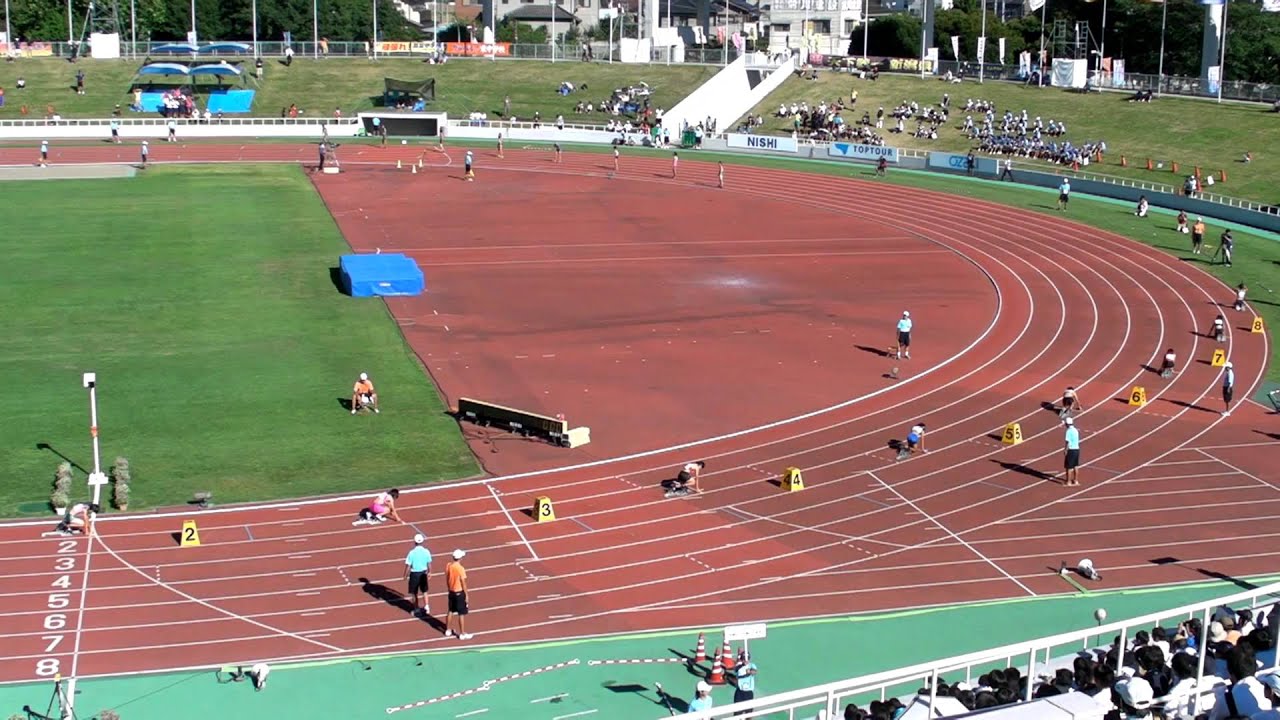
(982, 48)
(1222, 59)
(866, 27)
(1044, 7)
(1102, 44)
(256, 53)
(1164, 19)
(315, 28)
(375, 29)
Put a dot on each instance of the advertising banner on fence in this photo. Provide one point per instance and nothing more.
(960, 163)
(35, 49)
(768, 143)
(416, 48)
(478, 49)
(865, 153)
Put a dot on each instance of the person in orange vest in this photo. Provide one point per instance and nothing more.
(363, 395)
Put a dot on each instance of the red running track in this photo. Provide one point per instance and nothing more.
(976, 518)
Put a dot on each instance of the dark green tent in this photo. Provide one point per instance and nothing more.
(397, 91)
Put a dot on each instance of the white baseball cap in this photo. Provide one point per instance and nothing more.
(459, 554)
(906, 313)
(703, 686)
(419, 538)
(1227, 364)
(364, 376)
(1069, 421)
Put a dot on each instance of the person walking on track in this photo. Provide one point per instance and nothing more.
(721, 176)
(675, 165)
(455, 579)
(146, 152)
(417, 566)
(1071, 462)
(904, 336)
(616, 155)
(470, 173)
(1228, 387)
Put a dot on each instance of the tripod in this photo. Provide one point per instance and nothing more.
(58, 699)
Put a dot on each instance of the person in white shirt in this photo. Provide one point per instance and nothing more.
(904, 336)
(687, 480)
(1228, 387)
(1271, 687)
(1245, 695)
(1143, 207)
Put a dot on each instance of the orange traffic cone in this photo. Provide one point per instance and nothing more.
(726, 656)
(1175, 168)
(1124, 161)
(717, 672)
(1197, 173)
(1150, 166)
(700, 655)
(1222, 176)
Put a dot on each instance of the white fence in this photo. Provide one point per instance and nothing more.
(138, 128)
(1031, 657)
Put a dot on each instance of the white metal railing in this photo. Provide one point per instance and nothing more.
(806, 703)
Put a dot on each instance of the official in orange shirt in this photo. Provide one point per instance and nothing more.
(455, 578)
(363, 395)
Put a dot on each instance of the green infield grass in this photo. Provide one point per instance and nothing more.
(1187, 131)
(202, 298)
(355, 84)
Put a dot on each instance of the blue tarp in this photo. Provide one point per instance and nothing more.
(381, 275)
(164, 69)
(216, 69)
(224, 48)
(175, 48)
(230, 101)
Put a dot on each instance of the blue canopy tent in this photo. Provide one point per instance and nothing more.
(176, 48)
(221, 69)
(164, 69)
(224, 48)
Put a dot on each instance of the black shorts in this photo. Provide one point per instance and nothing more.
(904, 339)
(1072, 461)
(1227, 392)
(417, 583)
(1064, 198)
(1197, 238)
(458, 603)
(1068, 402)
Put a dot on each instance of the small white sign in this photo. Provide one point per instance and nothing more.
(734, 633)
(97, 478)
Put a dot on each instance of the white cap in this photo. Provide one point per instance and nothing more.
(458, 554)
(418, 539)
(703, 686)
(906, 313)
(1069, 421)
(144, 142)
(364, 376)
(1227, 364)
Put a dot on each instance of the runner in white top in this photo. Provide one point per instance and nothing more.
(1170, 362)
(904, 336)
(1220, 328)
(915, 438)
(687, 480)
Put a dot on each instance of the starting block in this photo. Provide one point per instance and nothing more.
(190, 536)
(792, 480)
(1257, 326)
(1166, 373)
(1138, 397)
(543, 510)
(1219, 358)
(1012, 434)
(202, 500)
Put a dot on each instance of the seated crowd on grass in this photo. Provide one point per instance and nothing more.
(1157, 678)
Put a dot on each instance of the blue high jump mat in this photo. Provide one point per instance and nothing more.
(230, 101)
(381, 275)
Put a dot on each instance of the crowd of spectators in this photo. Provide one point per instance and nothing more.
(825, 122)
(1019, 135)
(1157, 677)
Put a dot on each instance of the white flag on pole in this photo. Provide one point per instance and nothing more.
(1035, 4)
(1000, 43)
(1270, 5)
(955, 46)
(982, 48)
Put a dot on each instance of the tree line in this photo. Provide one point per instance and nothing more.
(170, 20)
(1132, 33)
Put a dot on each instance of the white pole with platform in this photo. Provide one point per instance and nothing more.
(97, 478)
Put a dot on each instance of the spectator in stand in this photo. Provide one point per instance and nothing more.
(1132, 697)
(1271, 686)
(1245, 694)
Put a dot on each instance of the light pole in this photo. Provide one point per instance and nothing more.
(8, 37)
(97, 479)
(194, 38)
(254, 9)
(1222, 59)
(133, 27)
(315, 29)
(866, 28)
(1164, 19)
(71, 33)
(375, 29)
(982, 45)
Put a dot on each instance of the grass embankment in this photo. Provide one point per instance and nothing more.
(1182, 130)
(355, 84)
(203, 300)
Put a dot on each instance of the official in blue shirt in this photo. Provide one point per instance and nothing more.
(1072, 459)
(746, 681)
(1228, 387)
(904, 336)
(417, 566)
